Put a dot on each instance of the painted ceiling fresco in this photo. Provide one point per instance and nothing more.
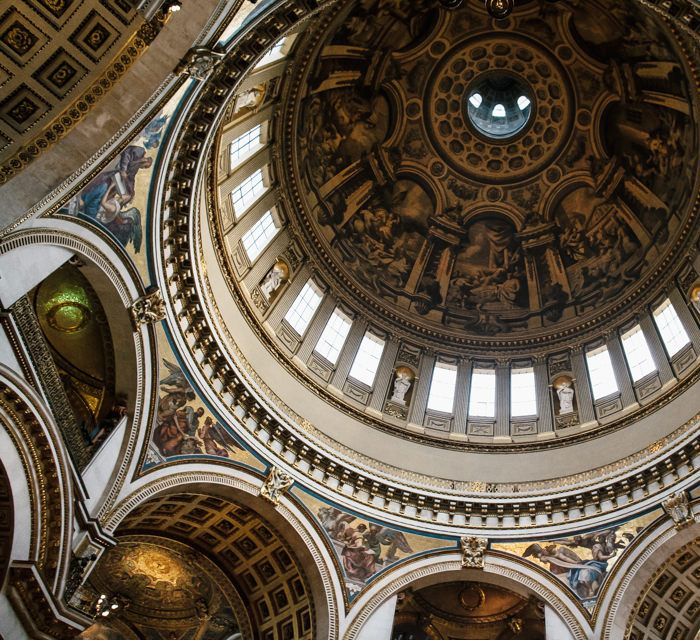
(431, 220)
(365, 548)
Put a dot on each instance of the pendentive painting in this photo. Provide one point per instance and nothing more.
(582, 561)
(365, 548)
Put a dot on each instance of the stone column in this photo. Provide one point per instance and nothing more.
(651, 334)
(461, 410)
(584, 396)
(352, 344)
(555, 627)
(502, 427)
(381, 622)
(318, 324)
(288, 297)
(384, 376)
(680, 304)
(545, 416)
(622, 373)
(422, 390)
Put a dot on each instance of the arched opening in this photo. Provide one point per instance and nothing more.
(234, 570)
(462, 610)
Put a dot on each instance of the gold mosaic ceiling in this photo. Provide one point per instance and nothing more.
(406, 206)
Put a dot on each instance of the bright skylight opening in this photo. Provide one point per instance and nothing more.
(247, 193)
(334, 335)
(244, 145)
(499, 111)
(304, 307)
(639, 358)
(275, 53)
(523, 395)
(600, 371)
(523, 102)
(364, 367)
(259, 236)
(476, 100)
(442, 387)
(671, 328)
(482, 397)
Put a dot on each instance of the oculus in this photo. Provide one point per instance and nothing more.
(499, 105)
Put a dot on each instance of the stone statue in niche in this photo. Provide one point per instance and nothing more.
(275, 278)
(566, 397)
(402, 384)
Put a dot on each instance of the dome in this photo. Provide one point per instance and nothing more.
(380, 318)
(478, 231)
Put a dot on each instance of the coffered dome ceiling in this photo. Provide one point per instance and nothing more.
(491, 184)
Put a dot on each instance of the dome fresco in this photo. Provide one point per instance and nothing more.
(558, 224)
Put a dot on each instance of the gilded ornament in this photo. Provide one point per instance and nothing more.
(473, 552)
(276, 483)
(199, 63)
(678, 508)
(148, 309)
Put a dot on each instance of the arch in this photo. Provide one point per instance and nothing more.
(243, 487)
(632, 578)
(117, 283)
(38, 471)
(500, 569)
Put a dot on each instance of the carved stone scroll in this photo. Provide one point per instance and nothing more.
(148, 310)
(678, 509)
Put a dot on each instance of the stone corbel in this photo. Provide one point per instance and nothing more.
(148, 310)
(199, 63)
(677, 507)
(473, 552)
(276, 484)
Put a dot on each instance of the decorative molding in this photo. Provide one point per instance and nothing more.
(473, 551)
(50, 380)
(249, 484)
(62, 124)
(276, 483)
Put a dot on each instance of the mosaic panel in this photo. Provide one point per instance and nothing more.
(582, 561)
(365, 548)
